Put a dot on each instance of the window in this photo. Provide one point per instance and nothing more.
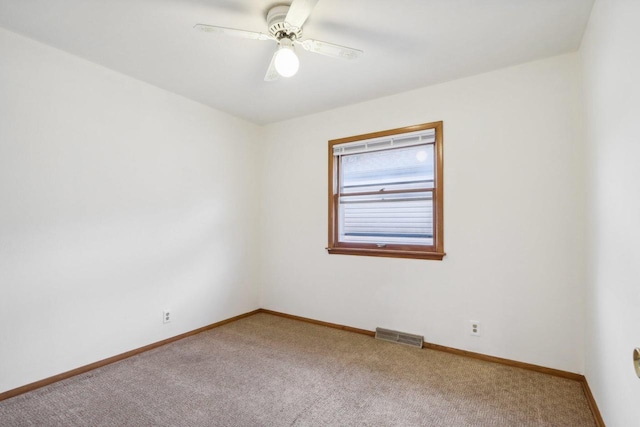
(385, 193)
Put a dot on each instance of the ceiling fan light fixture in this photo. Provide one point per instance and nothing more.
(285, 27)
(286, 61)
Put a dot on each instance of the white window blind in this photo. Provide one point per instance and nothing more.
(385, 143)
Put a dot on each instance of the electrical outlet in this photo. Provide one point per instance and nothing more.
(166, 316)
(474, 328)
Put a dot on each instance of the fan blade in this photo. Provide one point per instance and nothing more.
(233, 32)
(330, 49)
(299, 11)
(272, 74)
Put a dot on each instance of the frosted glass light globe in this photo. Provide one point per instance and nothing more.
(286, 61)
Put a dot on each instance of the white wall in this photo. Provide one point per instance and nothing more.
(117, 200)
(513, 174)
(612, 98)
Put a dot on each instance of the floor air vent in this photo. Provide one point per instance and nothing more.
(399, 337)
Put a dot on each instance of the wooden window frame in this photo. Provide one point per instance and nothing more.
(432, 252)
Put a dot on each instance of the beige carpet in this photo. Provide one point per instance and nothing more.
(270, 371)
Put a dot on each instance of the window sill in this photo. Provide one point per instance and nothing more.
(387, 253)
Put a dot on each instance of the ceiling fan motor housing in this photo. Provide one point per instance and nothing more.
(277, 26)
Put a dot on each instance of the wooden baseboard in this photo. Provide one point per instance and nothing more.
(508, 362)
(597, 416)
(86, 368)
(514, 363)
(318, 322)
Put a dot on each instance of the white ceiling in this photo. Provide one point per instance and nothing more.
(407, 44)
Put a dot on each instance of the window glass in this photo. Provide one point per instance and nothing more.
(391, 169)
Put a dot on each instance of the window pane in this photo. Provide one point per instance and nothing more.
(395, 169)
(387, 218)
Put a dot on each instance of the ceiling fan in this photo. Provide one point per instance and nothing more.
(285, 28)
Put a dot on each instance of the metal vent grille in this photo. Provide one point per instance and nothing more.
(399, 337)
